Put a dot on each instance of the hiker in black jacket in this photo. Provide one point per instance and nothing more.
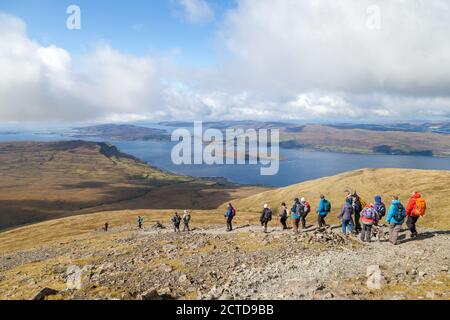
(266, 217)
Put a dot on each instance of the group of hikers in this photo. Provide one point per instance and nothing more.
(357, 216)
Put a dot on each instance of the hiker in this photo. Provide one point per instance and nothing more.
(295, 214)
(323, 211)
(266, 217)
(140, 222)
(186, 220)
(305, 209)
(380, 208)
(369, 217)
(105, 228)
(283, 216)
(346, 216)
(230, 214)
(414, 210)
(176, 220)
(395, 219)
(358, 205)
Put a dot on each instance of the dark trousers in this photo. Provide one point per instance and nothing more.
(229, 224)
(366, 233)
(303, 218)
(411, 223)
(283, 222)
(357, 223)
(321, 221)
(176, 227)
(186, 226)
(264, 224)
(140, 225)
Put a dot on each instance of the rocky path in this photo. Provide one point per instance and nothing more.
(210, 263)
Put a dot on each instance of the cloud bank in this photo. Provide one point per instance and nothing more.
(312, 59)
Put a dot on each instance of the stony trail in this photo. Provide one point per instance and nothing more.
(210, 263)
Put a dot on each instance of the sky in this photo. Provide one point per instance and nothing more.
(289, 60)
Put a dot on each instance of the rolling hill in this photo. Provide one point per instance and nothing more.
(47, 180)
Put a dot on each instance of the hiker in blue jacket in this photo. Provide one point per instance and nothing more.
(231, 212)
(323, 211)
(395, 218)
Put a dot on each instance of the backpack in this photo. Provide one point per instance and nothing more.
(369, 213)
(187, 218)
(420, 208)
(327, 206)
(268, 215)
(233, 212)
(175, 219)
(308, 208)
(400, 213)
(380, 208)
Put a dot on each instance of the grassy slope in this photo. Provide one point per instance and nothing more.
(434, 186)
(42, 181)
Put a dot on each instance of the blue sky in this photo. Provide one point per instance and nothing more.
(309, 60)
(137, 27)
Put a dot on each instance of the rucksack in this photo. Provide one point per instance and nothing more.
(233, 212)
(187, 218)
(420, 208)
(327, 206)
(268, 215)
(399, 214)
(380, 208)
(308, 208)
(362, 202)
(369, 213)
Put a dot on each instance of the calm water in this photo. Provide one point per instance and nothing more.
(300, 165)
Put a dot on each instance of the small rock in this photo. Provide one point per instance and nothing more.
(44, 293)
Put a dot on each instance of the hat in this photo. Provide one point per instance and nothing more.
(266, 206)
(302, 200)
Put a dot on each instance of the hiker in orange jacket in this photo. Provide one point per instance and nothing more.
(414, 210)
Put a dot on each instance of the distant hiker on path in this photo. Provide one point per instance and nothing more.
(322, 212)
(414, 210)
(295, 214)
(186, 220)
(140, 222)
(346, 216)
(395, 219)
(266, 217)
(105, 228)
(229, 215)
(283, 216)
(176, 220)
(369, 217)
(305, 209)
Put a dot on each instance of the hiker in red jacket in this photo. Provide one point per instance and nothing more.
(414, 210)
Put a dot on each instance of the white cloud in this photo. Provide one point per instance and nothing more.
(283, 60)
(196, 11)
(290, 46)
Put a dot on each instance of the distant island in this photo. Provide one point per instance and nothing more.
(425, 139)
(120, 132)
